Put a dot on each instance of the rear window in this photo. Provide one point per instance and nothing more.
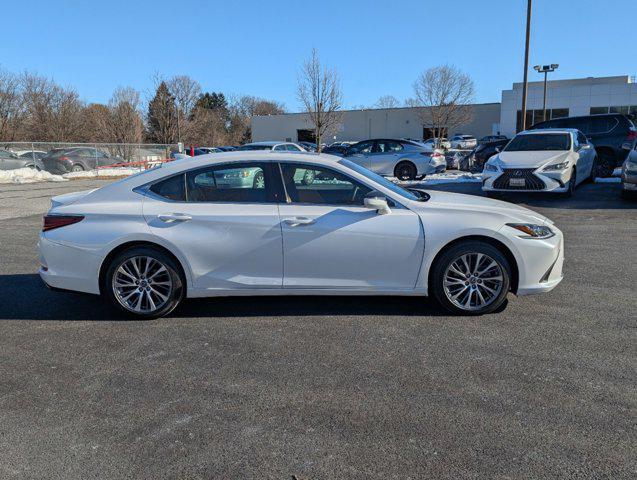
(539, 142)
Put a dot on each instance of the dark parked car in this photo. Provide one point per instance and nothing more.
(10, 161)
(63, 160)
(338, 150)
(474, 161)
(492, 138)
(611, 134)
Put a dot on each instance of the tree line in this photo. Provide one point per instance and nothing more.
(37, 109)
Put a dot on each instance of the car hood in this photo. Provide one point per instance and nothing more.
(529, 159)
(473, 203)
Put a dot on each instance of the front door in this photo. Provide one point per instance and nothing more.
(330, 240)
(224, 220)
(360, 153)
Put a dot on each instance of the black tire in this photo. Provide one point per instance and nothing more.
(173, 272)
(405, 171)
(605, 164)
(591, 177)
(77, 168)
(571, 185)
(449, 256)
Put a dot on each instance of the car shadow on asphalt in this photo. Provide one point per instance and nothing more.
(598, 196)
(25, 297)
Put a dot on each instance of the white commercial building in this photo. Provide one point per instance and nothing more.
(568, 98)
(582, 96)
(370, 123)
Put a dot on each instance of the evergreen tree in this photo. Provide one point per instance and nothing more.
(162, 118)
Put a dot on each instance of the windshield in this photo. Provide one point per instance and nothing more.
(380, 180)
(539, 141)
(255, 147)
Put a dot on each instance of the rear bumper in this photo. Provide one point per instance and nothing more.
(68, 268)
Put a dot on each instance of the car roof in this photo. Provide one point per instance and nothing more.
(549, 130)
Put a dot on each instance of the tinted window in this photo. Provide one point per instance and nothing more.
(388, 146)
(228, 183)
(255, 147)
(362, 147)
(172, 188)
(581, 138)
(540, 141)
(293, 148)
(321, 186)
(602, 124)
(6, 154)
(380, 180)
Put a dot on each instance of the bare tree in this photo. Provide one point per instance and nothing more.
(241, 109)
(443, 95)
(387, 101)
(10, 106)
(319, 91)
(124, 123)
(53, 113)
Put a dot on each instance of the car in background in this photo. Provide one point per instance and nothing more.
(474, 161)
(492, 138)
(430, 143)
(274, 146)
(227, 148)
(336, 149)
(11, 161)
(308, 146)
(138, 242)
(612, 134)
(629, 173)
(31, 154)
(195, 151)
(76, 159)
(463, 142)
(549, 160)
(402, 159)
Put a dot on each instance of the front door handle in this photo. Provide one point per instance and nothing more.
(174, 217)
(299, 221)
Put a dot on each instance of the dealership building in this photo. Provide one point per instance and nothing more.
(582, 96)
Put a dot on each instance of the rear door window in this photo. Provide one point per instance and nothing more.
(233, 183)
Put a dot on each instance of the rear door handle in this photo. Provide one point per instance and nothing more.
(299, 221)
(174, 217)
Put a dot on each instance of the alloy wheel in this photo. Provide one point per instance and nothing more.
(473, 281)
(142, 284)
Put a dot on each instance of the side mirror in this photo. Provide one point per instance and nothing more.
(584, 146)
(377, 203)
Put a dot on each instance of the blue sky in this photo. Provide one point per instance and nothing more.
(256, 47)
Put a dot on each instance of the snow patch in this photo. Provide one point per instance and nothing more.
(28, 175)
(446, 177)
(104, 172)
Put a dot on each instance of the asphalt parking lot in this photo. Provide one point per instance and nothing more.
(317, 387)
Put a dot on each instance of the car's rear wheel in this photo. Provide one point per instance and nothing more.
(405, 171)
(259, 180)
(605, 164)
(471, 278)
(77, 168)
(144, 282)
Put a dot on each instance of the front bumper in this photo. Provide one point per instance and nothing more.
(540, 262)
(629, 181)
(554, 182)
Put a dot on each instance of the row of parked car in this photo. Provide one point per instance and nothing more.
(58, 160)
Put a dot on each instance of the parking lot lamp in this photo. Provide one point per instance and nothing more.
(545, 69)
(526, 62)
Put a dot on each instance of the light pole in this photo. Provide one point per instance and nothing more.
(526, 62)
(545, 69)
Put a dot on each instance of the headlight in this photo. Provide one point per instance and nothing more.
(532, 231)
(488, 167)
(556, 166)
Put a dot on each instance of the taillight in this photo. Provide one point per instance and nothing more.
(57, 221)
(632, 135)
(64, 158)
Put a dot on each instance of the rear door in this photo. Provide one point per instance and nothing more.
(224, 220)
(331, 240)
(385, 156)
(360, 153)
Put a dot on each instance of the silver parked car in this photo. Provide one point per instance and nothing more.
(274, 146)
(463, 142)
(629, 173)
(10, 161)
(403, 159)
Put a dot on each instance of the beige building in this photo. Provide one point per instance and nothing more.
(371, 123)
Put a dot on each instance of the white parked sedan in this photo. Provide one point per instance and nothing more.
(548, 160)
(153, 239)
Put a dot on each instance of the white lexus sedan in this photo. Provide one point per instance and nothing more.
(546, 160)
(193, 229)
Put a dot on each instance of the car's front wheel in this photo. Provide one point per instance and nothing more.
(471, 278)
(77, 168)
(144, 282)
